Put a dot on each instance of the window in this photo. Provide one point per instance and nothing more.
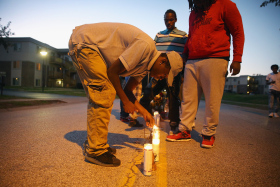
(38, 66)
(39, 49)
(16, 81)
(17, 46)
(38, 82)
(16, 64)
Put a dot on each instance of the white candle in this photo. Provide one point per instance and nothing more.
(156, 116)
(148, 159)
(155, 131)
(156, 149)
(156, 141)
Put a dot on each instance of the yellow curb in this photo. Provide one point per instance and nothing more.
(161, 180)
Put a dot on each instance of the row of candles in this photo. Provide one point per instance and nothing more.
(151, 151)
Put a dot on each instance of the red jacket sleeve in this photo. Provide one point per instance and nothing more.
(234, 23)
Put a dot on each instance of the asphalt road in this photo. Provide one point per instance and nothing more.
(42, 146)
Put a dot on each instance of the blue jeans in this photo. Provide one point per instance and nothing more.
(273, 103)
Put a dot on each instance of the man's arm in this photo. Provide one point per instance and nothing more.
(129, 87)
(234, 23)
(113, 74)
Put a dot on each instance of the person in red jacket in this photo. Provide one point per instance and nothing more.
(206, 57)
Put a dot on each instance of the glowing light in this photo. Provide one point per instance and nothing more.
(156, 141)
(44, 53)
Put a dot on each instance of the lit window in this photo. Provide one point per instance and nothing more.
(16, 64)
(38, 66)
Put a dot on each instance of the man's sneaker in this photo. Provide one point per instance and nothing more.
(134, 123)
(208, 141)
(275, 115)
(180, 136)
(106, 159)
(270, 115)
(124, 119)
(111, 150)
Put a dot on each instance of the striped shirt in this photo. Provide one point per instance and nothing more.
(171, 40)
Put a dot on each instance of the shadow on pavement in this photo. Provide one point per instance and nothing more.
(117, 141)
(116, 113)
(196, 136)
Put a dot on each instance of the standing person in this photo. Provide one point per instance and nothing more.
(102, 52)
(170, 39)
(211, 25)
(273, 80)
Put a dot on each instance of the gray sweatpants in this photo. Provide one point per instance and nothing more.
(203, 76)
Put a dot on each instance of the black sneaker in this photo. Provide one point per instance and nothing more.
(111, 150)
(135, 123)
(106, 159)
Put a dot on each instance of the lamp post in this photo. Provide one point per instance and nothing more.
(43, 53)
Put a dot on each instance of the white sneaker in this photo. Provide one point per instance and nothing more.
(270, 115)
(275, 115)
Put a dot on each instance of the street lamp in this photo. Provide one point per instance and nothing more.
(43, 53)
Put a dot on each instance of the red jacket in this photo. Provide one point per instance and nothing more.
(211, 36)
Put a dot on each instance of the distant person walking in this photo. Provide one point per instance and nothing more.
(273, 80)
(211, 25)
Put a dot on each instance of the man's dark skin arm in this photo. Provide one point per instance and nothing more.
(235, 68)
(130, 86)
(113, 74)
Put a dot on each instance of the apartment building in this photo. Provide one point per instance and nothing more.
(246, 84)
(23, 65)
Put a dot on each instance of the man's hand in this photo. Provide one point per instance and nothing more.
(235, 68)
(148, 118)
(129, 107)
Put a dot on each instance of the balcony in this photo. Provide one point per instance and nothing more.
(56, 61)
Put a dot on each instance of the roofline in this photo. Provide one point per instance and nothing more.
(29, 39)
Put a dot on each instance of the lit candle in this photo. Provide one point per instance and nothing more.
(156, 141)
(156, 116)
(156, 149)
(148, 159)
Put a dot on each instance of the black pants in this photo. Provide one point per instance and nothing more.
(155, 87)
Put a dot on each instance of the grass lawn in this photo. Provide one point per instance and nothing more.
(62, 91)
(253, 101)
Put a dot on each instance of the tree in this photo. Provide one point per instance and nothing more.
(277, 3)
(5, 32)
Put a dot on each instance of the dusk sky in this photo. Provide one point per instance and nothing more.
(52, 22)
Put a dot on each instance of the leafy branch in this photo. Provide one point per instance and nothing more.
(277, 3)
(5, 32)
